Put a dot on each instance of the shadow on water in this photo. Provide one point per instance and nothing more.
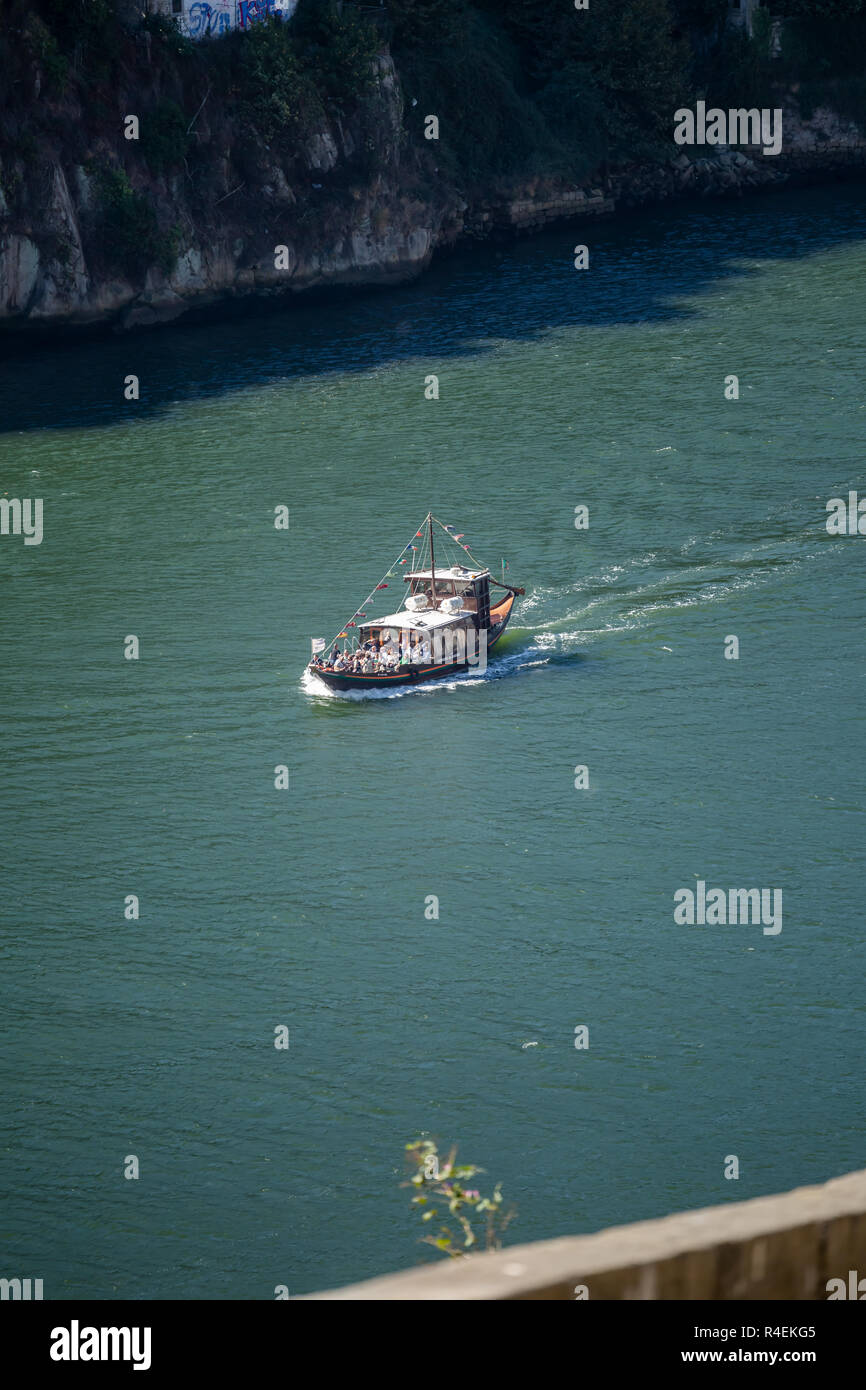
(463, 306)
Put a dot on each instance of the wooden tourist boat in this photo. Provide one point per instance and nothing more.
(447, 621)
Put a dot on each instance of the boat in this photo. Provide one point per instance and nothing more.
(448, 619)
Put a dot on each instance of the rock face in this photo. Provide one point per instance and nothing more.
(277, 222)
(19, 275)
(273, 221)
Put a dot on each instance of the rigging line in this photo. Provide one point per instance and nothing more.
(372, 592)
(465, 549)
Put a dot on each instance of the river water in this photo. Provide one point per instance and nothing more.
(260, 907)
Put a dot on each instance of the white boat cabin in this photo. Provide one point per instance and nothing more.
(461, 600)
(458, 592)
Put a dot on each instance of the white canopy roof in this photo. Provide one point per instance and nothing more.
(457, 572)
(417, 622)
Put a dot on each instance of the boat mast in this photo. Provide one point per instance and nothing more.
(432, 562)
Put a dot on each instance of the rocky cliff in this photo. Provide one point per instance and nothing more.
(98, 228)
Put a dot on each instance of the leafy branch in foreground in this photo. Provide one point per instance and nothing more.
(441, 1191)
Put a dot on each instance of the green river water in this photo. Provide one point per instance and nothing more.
(260, 907)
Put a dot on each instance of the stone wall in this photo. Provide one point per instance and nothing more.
(812, 150)
(208, 18)
(782, 1247)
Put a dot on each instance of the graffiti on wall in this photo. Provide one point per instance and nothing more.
(204, 18)
(251, 11)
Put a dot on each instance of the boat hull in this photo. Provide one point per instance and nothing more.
(413, 675)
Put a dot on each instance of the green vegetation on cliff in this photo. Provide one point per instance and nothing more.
(525, 82)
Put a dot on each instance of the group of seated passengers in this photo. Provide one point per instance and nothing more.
(377, 658)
